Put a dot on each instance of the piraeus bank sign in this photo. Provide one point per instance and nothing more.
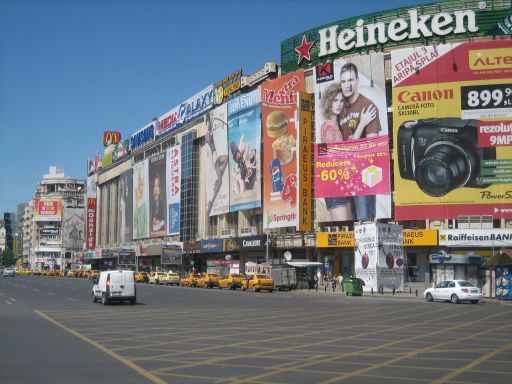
(432, 22)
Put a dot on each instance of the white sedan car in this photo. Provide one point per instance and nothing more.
(454, 291)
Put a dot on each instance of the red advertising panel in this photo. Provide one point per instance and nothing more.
(91, 224)
(48, 210)
(279, 105)
(111, 138)
(452, 117)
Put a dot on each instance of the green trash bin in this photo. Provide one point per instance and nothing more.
(353, 286)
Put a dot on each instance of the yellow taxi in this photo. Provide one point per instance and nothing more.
(37, 272)
(170, 278)
(259, 281)
(232, 281)
(155, 277)
(190, 280)
(141, 277)
(23, 272)
(208, 280)
(71, 273)
(93, 274)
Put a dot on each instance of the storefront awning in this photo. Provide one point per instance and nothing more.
(502, 257)
(303, 263)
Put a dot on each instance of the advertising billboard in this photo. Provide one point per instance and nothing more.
(47, 210)
(304, 181)
(244, 137)
(140, 200)
(172, 255)
(90, 229)
(173, 171)
(366, 254)
(73, 228)
(158, 196)
(125, 207)
(217, 174)
(452, 116)
(143, 136)
(352, 175)
(279, 107)
(186, 111)
(91, 187)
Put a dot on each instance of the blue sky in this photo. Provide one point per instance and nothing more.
(71, 69)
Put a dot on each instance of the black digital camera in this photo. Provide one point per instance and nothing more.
(441, 154)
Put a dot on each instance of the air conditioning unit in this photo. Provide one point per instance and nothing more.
(227, 233)
(248, 231)
(344, 228)
(335, 229)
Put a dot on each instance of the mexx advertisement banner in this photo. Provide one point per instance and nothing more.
(352, 176)
(279, 106)
(158, 200)
(244, 136)
(452, 117)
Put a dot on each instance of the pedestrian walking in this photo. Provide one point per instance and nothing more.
(333, 283)
(326, 282)
(340, 282)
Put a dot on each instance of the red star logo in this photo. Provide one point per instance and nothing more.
(304, 49)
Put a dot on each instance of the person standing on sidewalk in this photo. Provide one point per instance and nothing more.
(340, 282)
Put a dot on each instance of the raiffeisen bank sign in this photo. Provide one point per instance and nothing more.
(432, 23)
(414, 27)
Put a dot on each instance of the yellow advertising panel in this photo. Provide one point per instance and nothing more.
(452, 118)
(419, 237)
(304, 182)
(412, 238)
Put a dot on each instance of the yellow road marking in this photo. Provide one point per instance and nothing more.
(148, 375)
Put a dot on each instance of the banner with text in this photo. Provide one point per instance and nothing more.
(173, 172)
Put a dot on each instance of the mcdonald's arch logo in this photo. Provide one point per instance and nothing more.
(111, 137)
(91, 203)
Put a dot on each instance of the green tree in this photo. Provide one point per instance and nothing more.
(7, 258)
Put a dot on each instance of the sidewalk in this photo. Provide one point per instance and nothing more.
(413, 292)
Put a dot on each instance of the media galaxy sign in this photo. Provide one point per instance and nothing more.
(433, 22)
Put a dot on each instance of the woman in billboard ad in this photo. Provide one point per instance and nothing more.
(352, 179)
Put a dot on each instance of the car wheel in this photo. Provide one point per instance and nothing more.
(270, 290)
(455, 299)
(429, 297)
(104, 298)
(94, 298)
(231, 286)
(474, 301)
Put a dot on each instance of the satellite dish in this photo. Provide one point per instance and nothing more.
(227, 257)
(287, 255)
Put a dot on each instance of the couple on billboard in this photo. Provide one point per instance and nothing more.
(348, 116)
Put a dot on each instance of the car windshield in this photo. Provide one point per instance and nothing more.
(214, 275)
(261, 276)
(465, 284)
(237, 276)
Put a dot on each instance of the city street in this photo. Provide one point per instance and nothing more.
(51, 331)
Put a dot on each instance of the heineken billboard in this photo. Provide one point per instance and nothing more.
(432, 23)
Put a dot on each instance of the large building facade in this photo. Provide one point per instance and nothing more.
(403, 116)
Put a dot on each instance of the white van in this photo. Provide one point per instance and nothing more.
(115, 286)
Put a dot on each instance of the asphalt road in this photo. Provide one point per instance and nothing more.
(52, 332)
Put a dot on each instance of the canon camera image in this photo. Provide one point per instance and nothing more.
(441, 154)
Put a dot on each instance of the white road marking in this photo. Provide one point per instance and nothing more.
(12, 299)
(8, 302)
(70, 298)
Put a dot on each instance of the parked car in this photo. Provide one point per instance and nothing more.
(258, 282)
(208, 280)
(170, 278)
(23, 272)
(9, 271)
(454, 291)
(155, 277)
(190, 280)
(37, 272)
(232, 281)
(114, 286)
(141, 277)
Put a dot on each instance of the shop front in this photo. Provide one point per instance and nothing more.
(418, 245)
(150, 257)
(447, 266)
(254, 254)
(218, 255)
(336, 252)
(191, 256)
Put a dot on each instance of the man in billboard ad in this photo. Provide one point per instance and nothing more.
(244, 136)
(452, 114)
(140, 200)
(158, 200)
(279, 105)
(216, 143)
(352, 178)
(124, 206)
(173, 172)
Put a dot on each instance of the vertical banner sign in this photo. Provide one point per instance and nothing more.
(125, 207)
(174, 189)
(140, 200)
(158, 199)
(365, 255)
(91, 224)
(452, 116)
(244, 136)
(304, 182)
(279, 105)
(217, 174)
(352, 175)
(390, 263)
